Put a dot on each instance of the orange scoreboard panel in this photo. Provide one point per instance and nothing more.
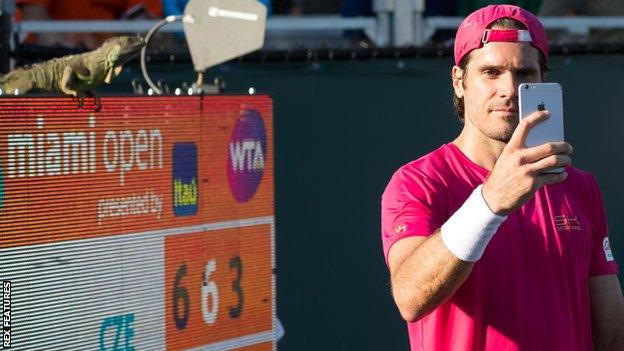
(147, 225)
(216, 286)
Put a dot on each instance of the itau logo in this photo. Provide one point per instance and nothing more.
(185, 184)
(246, 155)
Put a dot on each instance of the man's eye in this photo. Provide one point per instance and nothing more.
(490, 72)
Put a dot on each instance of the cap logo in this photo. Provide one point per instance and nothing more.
(506, 35)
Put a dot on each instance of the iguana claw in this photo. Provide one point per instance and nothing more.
(97, 102)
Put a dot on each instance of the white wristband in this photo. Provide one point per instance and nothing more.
(468, 231)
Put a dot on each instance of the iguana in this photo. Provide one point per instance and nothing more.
(76, 75)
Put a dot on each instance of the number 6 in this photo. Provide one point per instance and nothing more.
(209, 288)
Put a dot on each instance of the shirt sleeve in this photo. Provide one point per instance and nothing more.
(602, 261)
(407, 208)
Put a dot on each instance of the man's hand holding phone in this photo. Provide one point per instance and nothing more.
(534, 97)
(520, 171)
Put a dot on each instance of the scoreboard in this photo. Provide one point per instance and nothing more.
(147, 225)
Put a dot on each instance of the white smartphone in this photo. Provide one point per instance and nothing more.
(543, 96)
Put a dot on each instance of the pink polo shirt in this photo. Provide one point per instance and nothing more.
(529, 291)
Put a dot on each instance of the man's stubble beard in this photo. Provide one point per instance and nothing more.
(502, 134)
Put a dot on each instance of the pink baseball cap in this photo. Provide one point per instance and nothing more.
(473, 33)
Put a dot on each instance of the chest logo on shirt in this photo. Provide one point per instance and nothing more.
(568, 223)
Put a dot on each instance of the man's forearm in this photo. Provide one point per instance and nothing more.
(432, 272)
(607, 312)
(427, 277)
(612, 339)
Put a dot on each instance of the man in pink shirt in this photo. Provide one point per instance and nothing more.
(486, 251)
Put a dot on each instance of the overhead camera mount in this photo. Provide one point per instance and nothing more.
(216, 31)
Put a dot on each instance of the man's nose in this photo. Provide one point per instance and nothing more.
(508, 85)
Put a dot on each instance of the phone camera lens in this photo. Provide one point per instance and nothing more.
(526, 87)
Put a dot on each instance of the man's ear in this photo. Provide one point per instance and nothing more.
(457, 75)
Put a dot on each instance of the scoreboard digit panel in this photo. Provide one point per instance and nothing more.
(218, 287)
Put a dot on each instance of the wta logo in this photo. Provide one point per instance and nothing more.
(246, 155)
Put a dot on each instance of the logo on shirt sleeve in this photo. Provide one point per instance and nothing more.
(401, 228)
(607, 249)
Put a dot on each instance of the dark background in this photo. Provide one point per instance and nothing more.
(341, 129)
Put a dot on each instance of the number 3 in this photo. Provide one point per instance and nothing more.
(235, 262)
